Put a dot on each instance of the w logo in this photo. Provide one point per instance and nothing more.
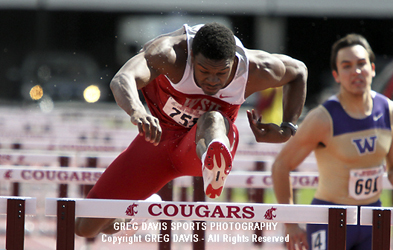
(365, 145)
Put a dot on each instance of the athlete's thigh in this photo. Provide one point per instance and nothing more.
(139, 171)
(183, 154)
(363, 238)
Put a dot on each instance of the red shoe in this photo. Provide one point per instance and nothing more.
(216, 165)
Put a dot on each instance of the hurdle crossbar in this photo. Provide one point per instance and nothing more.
(16, 208)
(202, 211)
(205, 211)
(380, 218)
(89, 176)
(56, 175)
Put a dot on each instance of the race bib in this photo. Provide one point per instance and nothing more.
(318, 240)
(186, 117)
(365, 183)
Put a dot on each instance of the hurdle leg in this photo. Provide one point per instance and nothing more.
(15, 185)
(337, 229)
(91, 162)
(166, 194)
(64, 162)
(65, 225)
(15, 234)
(258, 197)
(199, 195)
(381, 230)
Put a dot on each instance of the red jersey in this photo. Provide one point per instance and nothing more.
(181, 104)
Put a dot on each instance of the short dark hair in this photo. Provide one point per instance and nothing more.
(348, 41)
(215, 42)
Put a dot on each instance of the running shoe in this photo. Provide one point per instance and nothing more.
(216, 165)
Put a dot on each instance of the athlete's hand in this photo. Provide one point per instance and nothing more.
(267, 132)
(297, 237)
(148, 126)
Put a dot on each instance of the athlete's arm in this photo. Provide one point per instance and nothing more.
(389, 157)
(269, 71)
(389, 164)
(139, 71)
(312, 134)
(295, 86)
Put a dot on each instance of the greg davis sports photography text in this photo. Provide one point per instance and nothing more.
(183, 232)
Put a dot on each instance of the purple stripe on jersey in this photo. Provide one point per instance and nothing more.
(343, 123)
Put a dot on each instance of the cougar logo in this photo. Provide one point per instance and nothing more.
(131, 210)
(269, 214)
(7, 175)
(249, 180)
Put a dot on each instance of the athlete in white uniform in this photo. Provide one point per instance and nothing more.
(351, 136)
(194, 81)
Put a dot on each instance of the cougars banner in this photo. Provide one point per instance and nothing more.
(50, 175)
(202, 211)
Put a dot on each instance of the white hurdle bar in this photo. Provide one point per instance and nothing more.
(55, 175)
(89, 176)
(380, 218)
(16, 208)
(67, 209)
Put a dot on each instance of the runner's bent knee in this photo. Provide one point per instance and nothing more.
(212, 118)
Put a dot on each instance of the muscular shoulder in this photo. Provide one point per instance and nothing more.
(264, 65)
(317, 125)
(272, 70)
(319, 116)
(167, 54)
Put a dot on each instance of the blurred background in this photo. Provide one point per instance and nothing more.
(68, 50)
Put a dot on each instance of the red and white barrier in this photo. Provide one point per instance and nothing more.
(366, 212)
(16, 208)
(56, 175)
(30, 204)
(206, 211)
(336, 217)
(88, 176)
(381, 220)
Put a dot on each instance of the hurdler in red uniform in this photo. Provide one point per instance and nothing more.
(194, 81)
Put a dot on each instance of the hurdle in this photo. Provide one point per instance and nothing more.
(16, 208)
(66, 210)
(89, 176)
(85, 176)
(380, 219)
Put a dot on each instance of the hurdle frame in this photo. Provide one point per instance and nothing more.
(381, 220)
(338, 217)
(16, 208)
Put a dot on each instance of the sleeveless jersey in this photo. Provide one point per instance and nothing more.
(352, 163)
(179, 105)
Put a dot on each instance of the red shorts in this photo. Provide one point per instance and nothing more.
(143, 169)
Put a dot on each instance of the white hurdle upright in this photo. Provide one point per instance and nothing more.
(380, 218)
(16, 208)
(67, 209)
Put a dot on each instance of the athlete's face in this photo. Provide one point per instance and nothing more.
(211, 75)
(354, 69)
